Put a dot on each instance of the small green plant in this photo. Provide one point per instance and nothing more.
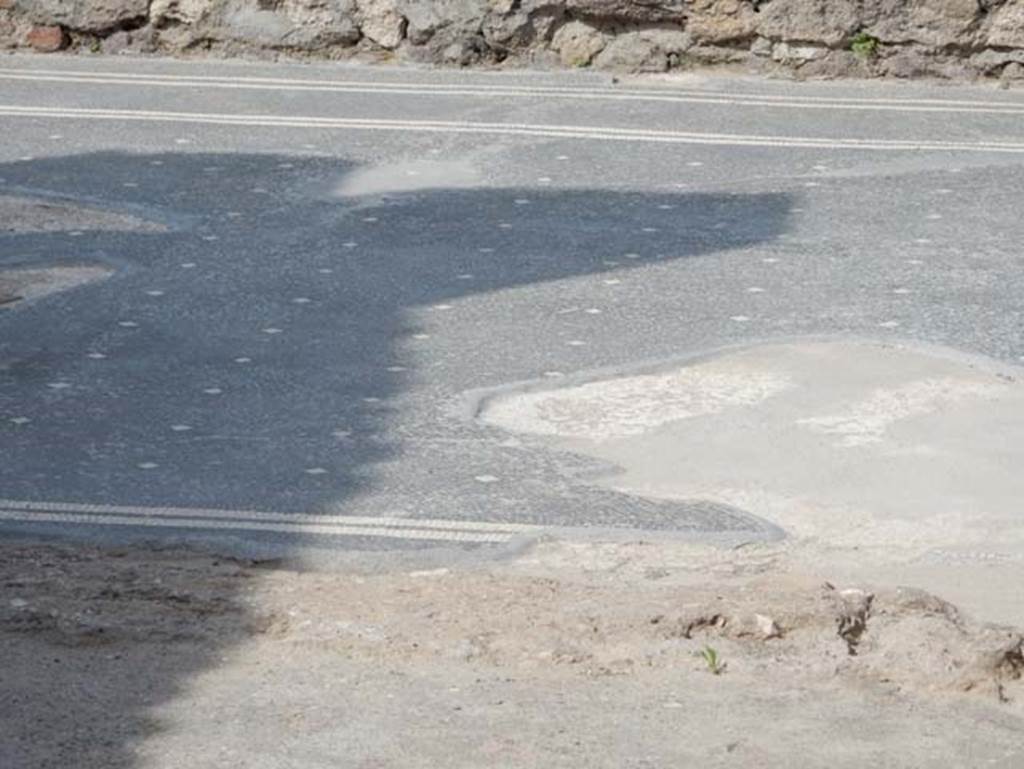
(711, 659)
(95, 46)
(864, 45)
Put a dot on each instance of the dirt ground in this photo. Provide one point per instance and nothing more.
(559, 655)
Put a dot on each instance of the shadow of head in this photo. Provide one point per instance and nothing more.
(258, 340)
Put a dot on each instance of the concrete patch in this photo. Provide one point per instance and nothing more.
(30, 215)
(869, 421)
(20, 215)
(847, 443)
(599, 411)
(19, 285)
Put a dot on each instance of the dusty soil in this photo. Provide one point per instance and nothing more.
(564, 655)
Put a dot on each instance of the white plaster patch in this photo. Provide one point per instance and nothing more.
(633, 405)
(854, 443)
(868, 421)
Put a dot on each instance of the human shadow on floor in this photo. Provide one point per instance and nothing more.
(246, 357)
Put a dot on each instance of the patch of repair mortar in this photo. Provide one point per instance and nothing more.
(599, 411)
(867, 422)
(624, 419)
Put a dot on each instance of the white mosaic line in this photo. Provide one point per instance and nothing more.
(504, 91)
(216, 514)
(204, 524)
(513, 129)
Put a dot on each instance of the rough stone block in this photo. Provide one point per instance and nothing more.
(93, 16)
(47, 39)
(578, 43)
(1007, 26)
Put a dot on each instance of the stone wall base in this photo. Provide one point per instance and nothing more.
(813, 38)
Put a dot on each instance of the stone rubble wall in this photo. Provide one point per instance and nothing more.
(812, 38)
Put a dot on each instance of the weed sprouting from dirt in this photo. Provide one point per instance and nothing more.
(710, 656)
